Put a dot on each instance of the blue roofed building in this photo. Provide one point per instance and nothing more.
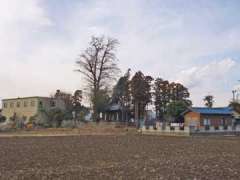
(203, 116)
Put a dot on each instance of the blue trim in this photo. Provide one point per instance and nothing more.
(212, 111)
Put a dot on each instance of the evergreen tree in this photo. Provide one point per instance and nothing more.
(141, 93)
(170, 98)
(121, 94)
(162, 97)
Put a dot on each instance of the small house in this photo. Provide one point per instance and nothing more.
(198, 117)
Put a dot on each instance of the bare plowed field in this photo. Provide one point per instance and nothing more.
(119, 157)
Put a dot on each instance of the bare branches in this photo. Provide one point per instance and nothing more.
(98, 63)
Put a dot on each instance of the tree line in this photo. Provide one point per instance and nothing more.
(98, 67)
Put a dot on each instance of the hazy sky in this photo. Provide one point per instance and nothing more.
(193, 42)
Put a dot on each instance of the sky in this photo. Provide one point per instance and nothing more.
(192, 42)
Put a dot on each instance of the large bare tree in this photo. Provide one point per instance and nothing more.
(98, 66)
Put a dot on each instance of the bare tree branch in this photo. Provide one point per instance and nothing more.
(98, 64)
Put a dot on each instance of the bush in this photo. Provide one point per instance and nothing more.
(68, 124)
(32, 119)
(40, 119)
(55, 117)
(81, 116)
(2, 119)
(6, 126)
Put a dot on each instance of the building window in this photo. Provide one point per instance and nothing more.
(11, 105)
(206, 122)
(52, 103)
(18, 104)
(5, 105)
(40, 104)
(25, 103)
(32, 103)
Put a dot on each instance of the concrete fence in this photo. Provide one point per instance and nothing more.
(187, 131)
(166, 130)
(217, 130)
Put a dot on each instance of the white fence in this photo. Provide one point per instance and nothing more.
(187, 131)
(212, 129)
(166, 130)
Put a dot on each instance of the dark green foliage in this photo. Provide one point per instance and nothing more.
(121, 94)
(102, 100)
(141, 88)
(77, 100)
(209, 101)
(2, 118)
(141, 93)
(32, 119)
(175, 108)
(72, 102)
(170, 98)
(66, 98)
(121, 91)
(162, 97)
(55, 117)
(178, 92)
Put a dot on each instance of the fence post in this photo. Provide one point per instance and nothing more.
(151, 128)
(176, 129)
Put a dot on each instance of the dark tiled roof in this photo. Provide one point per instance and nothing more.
(114, 107)
(214, 111)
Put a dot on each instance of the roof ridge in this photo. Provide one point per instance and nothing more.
(25, 98)
(212, 107)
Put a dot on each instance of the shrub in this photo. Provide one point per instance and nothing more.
(67, 124)
(81, 116)
(55, 117)
(40, 119)
(2, 119)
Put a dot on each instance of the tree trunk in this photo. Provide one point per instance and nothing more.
(95, 114)
(123, 109)
(136, 114)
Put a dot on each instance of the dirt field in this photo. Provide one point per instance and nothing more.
(119, 157)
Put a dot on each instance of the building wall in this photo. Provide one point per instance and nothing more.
(195, 119)
(28, 107)
(217, 120)
(49, 103)
(20, 107)
(192, 119)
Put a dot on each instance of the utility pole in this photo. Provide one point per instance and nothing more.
(234, 92)
(237, 93)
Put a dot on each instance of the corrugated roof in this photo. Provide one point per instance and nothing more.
(216, 111)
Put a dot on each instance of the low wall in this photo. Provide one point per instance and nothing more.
(176, 131)
(165, 131)
(229, 130)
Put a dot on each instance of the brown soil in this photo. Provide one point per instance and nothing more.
(119, 157)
